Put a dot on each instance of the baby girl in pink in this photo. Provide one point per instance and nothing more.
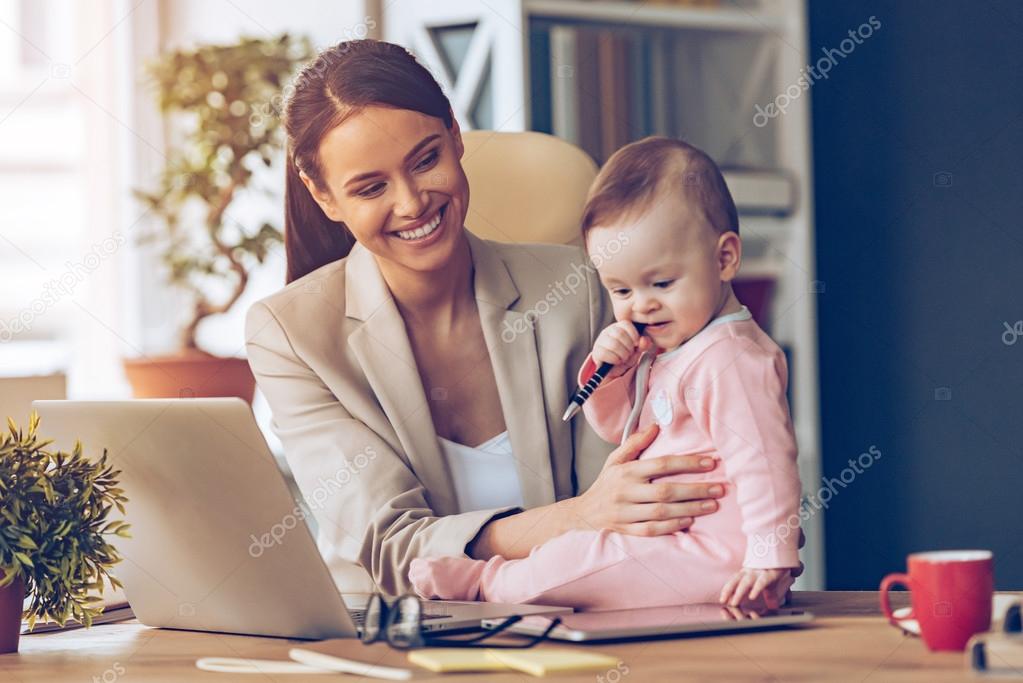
(662, 228)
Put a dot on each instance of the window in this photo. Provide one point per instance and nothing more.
(41, 199)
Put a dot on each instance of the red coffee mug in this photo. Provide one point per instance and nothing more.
(951, 595)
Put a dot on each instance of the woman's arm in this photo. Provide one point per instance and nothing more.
(369, 505)
(622, 499)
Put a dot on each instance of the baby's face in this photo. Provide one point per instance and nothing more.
(663, 268)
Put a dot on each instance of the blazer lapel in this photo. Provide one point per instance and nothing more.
(511, 340)
(381, 344)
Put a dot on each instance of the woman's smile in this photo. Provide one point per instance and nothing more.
(423, 232)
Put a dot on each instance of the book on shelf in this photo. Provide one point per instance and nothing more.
(761, 191)
(601, 88)
(612, 57)
(563, 78)
(587, 88)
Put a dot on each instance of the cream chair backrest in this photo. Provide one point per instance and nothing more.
(525, 187)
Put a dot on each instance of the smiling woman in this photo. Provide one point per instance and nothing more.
(389, 337)
(396, 210)
(330, 192)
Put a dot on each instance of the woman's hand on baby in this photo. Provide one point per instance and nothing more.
(624, 499)
(621, 345)
(750, 585)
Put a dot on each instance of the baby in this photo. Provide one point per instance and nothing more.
(664, 224)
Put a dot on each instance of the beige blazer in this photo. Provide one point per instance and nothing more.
(331, 355)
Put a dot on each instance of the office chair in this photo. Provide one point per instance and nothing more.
(525, 187)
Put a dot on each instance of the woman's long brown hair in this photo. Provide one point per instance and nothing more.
(340, 81)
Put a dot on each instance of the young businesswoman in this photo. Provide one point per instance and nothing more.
(415, 421)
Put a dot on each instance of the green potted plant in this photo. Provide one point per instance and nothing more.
(223, 103)
(55, 509)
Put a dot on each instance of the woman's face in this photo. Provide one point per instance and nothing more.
(395, 178)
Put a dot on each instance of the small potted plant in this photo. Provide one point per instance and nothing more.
(55, 509)
(223, 103)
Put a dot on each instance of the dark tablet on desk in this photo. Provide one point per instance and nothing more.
(649, 622)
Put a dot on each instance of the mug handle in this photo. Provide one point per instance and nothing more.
(886, 585)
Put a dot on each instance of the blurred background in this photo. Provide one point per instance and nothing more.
(873, 149)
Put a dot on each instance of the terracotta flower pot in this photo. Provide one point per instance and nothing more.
(12, 599)
(190, 374)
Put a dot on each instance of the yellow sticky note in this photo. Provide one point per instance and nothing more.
(552, 660)
(450, 659)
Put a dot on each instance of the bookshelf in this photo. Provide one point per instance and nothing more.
(602, 73)
(723, 18)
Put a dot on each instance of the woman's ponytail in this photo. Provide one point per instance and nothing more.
(311, 239)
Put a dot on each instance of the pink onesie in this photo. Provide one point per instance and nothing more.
(722, 394)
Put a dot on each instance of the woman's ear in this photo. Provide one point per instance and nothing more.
(324, 199)
(729, 255)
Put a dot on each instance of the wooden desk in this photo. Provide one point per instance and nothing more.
(848, 642)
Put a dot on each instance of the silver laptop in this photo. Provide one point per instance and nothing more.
(202, 484)
(652, 622)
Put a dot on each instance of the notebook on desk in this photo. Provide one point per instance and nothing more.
(115, 608)
(113, 613)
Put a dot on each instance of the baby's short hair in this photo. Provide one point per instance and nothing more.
(638, 173)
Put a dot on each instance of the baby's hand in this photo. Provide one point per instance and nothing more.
(749, 584)
(621, 345)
